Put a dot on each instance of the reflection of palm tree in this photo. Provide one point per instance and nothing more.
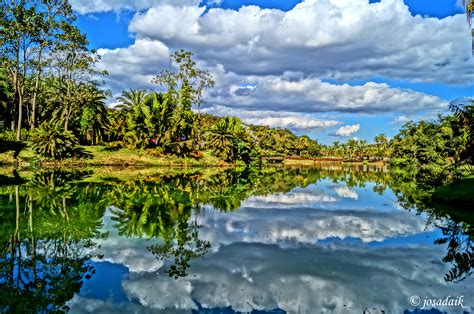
(149, 210)
(160, 211)
(45, 261)
(460, 253)
(186, 247)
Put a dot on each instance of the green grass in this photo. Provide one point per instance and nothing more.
(121, 157)
(461, 192)
(26, 156)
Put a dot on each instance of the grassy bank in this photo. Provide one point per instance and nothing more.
(103, 157)
(312, 162)
(461, 192)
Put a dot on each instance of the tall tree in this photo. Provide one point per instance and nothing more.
(187, 85)
(130, 99)
(382, 142)
(469, 7)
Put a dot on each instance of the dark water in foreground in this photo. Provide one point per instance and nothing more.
(298, 240)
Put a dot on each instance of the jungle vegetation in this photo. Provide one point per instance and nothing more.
(52, 101)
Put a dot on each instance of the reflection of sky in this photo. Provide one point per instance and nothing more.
(328, 195)
(326, 247)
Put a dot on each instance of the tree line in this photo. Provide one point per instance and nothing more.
(52, 98)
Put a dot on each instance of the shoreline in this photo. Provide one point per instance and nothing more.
(124, 157)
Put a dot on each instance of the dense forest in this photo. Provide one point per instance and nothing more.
(53, 102)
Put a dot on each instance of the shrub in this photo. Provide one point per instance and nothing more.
(113, 146)
(154, 152)
(52, 142)
(197, 155)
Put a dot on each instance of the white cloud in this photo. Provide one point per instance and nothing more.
(305, 222)
(334, 39)
(267, 60)
(348, 130)
(401, 120)
(270, 118)
(134, 66)
(97, 6)
(344, 191)
(287, 200)
(294, 93)
(271, 66)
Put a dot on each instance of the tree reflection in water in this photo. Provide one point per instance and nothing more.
(47, 228)
(50, 223)
(458, 235)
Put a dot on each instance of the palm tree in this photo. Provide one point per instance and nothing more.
(5, 95)
(381, 141)
(150, 120)
(131, 98)
(465, 115)
(336, 149)
(361, 148)
(222, 138)
(301, 144)
(351, 146)
(94, 119)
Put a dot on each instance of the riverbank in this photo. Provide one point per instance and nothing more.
(461, 192)
(124, 157)
(313, 161)
(113, 158)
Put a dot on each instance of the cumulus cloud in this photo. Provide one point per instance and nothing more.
(401, 120)
(347, 130)
(97, 6)
(270, 118)
(270, 61)
(134, 66)
(334, 39)
(286, 200)
(290, 93)
(305, 223)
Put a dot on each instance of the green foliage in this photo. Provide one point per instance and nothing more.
(231, 141)
(439, 150)
(273, 142)
(50, 141)
(46, 245)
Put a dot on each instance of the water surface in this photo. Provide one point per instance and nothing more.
(300, 240)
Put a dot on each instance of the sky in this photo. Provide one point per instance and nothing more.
(331, 69)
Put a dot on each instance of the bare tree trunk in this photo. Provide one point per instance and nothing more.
(20, 116)
(35, 92)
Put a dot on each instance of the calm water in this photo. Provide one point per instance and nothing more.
(223, 241)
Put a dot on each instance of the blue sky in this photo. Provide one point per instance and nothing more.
(325, 83)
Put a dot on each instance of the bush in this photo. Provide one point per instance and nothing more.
(53, 142)
(154, 152)
(197, 155)
(113, 146)
(7, 135)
